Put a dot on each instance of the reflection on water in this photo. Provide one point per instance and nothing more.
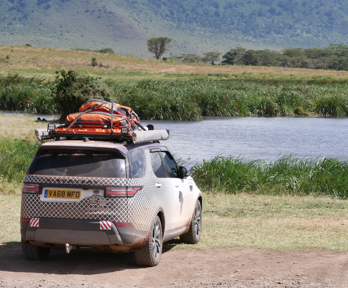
(257, 138)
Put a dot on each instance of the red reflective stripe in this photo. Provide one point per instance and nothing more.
(123, 191)
(132, 190)
(123, 224)
(116, 191)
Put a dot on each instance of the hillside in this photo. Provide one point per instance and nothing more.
(196, 26)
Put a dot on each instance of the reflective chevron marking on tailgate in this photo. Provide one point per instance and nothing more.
(34, 222)
(105, 225)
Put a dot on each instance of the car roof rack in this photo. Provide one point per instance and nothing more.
(137, 136)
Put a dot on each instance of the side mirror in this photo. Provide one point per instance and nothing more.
(183, 172)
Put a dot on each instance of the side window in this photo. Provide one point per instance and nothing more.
(136, 160)
(169, 164)
(157, 165)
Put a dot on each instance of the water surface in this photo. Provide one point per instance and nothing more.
(253, 137)
(257, 138)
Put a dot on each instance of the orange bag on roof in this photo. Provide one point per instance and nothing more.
(101, 117)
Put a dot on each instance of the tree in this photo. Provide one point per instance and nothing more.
(158, 46)
(232, 56)
(211, 57)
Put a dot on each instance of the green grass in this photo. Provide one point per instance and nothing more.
(287, 175)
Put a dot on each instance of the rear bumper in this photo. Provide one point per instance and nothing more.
(81, 232)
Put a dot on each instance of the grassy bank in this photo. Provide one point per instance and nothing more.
(262, 221)
(288, 175)
(190, 100)
(43, 62)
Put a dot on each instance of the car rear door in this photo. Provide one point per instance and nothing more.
(171, 189)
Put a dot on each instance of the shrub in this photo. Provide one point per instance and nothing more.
(72, 90)
(94, 62)
(106, 50)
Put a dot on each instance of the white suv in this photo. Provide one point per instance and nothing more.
(109, 196)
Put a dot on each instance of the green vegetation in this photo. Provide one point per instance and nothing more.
(215, 94)
(32, 95)
(287, 175)
(15, 157)
(104, 50)
(188, 100)
(72, 90)
(333, 57)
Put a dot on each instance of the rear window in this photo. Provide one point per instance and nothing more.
(78, 163)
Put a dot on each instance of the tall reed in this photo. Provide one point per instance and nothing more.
(287, 175)
(191, 100)
(15, 157)
(32, 95)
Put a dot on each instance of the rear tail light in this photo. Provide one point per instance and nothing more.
(25, 219)
(30, 188)
(129, 191)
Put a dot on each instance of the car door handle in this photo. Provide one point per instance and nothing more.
(176, 184)
(158, 185)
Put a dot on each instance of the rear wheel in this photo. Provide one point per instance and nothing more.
(32, 252)
(194, 233)
(150, 254)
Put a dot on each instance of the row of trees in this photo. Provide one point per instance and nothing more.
(333, 57)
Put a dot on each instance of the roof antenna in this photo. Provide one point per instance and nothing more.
(86, 139)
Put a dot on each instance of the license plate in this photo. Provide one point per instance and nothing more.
(62, 194)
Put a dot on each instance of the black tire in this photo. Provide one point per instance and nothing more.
(193, 235)
(32, 252)
(150, 254)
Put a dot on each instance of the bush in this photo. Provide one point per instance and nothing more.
(106, 50)
(72, 90)
(94, 62)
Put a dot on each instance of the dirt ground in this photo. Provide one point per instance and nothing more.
(222, 267)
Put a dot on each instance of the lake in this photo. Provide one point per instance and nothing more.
(257, 138)
(254, 137)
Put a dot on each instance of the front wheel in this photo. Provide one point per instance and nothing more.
(194, 234)
(150, 254)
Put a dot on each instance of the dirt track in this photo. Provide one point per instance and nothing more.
(225, 267)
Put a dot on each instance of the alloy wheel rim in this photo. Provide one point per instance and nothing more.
(156, 241)
(197, 221)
